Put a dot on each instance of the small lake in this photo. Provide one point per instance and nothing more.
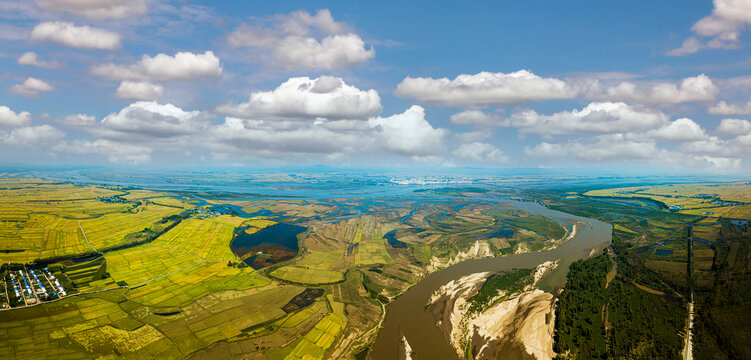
(391, 238)
(267, 246)
(503, 231)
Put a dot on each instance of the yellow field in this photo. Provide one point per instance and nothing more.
(84, 327)
(40, 219)
(328, 260)
(314, 344)
(259, 223)
(371, 247)
(208, 238)
(684, 195)
(40, 236)
(307, 276)
(187, 285)
(171, 201)
(111, 230)
(143, 263)
(179, 294)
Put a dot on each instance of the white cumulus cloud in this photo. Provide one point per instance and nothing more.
(116, 152)
(597, 117)
(325, 97)
(683, 129)
(481, 152)
(405, 134)
(723, 108)
(734, 127)
(240, 138)
(722, 26)
(486, 88)
(77, 120)
(163, 67)
(692, 89)
(478, 118)
(304, 41)
(409, 133)
(68, 34)
(622, 148)
(601, 148)
(32, 136)
(139, 90)
(146, 120)
(31, 58)
(31, 87)
(9, 117)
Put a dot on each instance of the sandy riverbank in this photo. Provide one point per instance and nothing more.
(519, 327)
(481, 249)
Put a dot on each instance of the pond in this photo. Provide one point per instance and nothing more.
(503, 231)
(267, 246)
(391, 238)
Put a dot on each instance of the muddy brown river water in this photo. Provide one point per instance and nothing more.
(409, 316)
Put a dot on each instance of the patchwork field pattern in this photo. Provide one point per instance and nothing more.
(153, 276)
(208, 239)
(731, 200)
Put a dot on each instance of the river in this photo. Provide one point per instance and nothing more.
(409, 316)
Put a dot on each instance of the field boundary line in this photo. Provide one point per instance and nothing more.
(87, 239)
(165, 275)
(181, 251)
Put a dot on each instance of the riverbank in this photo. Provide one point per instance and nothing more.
(517, 325)
(407, 315)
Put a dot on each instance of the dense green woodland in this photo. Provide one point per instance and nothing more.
(724, 305)
(621, 320)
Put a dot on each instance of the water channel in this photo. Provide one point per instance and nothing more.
(408, 315)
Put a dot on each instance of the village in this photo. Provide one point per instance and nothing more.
(29, 286)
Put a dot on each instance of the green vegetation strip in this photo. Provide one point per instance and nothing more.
(507, 284)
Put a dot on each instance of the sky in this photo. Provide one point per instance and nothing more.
(599, 85)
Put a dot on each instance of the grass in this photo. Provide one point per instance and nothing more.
(325, 260)
(540, 225)
(307, 276)
(422, 254)
(667, 266)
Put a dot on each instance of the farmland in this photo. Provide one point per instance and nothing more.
(149, 282)
(731, 200)
(152, 274)
(149, 274)
(670, 243)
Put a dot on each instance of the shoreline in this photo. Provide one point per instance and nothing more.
(426, 339)
(520, 326)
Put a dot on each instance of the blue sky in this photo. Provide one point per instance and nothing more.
(657, 86)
